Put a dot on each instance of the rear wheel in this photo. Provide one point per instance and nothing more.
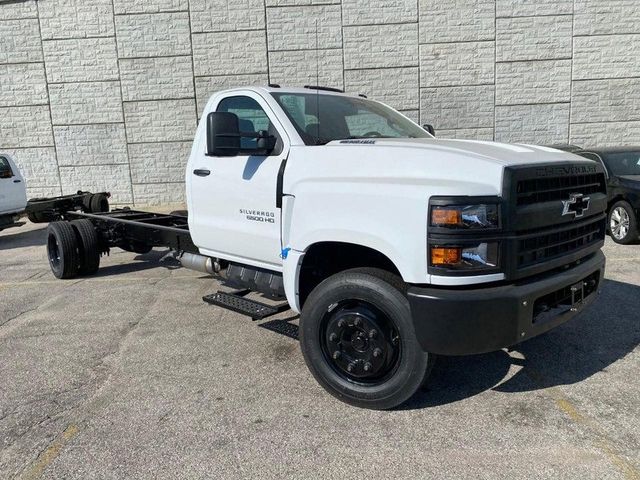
(88, 248)
(357, 338)
(62, 250)
(623, 223)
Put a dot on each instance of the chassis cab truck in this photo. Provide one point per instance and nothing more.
(393, 246)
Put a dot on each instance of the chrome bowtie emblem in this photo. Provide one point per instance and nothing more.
(576, 205)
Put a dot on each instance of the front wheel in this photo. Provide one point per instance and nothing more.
(622, 223)
(357, 338)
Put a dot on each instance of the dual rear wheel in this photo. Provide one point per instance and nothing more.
(73, 248)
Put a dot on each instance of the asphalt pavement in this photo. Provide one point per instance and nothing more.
(129, 374)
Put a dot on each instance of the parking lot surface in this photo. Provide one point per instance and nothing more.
(129, 374)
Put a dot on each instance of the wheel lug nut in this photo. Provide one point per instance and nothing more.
(377, 352)
(341, 323)
(373, 334)
(351, 367)
(333, 337)
(357, 322)
(367, 367)
(336, 355)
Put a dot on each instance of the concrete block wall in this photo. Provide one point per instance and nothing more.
(105, 94)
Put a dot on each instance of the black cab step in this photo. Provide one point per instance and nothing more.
(236, 301)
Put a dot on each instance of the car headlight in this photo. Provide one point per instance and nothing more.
(465, 217)
(480, 256)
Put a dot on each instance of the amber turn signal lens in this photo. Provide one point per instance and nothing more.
(445, 256)
(446, 216)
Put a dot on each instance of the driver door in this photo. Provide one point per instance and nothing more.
(234, 204)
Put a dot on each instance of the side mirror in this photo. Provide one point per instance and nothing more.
(429, 128)
(224, 137)
(223, 134)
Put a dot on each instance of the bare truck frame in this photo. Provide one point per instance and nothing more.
(75, 247)
(43, 210)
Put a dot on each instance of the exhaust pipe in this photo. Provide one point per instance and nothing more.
(199, 263)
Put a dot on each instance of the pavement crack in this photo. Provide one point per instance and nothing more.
(15, 317)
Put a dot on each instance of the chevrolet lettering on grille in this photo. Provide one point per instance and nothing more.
(576, 205)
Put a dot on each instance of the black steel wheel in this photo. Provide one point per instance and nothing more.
(62, 250)
(360, 342)
(88, 247)
(357, 338)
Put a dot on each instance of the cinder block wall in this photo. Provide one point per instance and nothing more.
(105, 94)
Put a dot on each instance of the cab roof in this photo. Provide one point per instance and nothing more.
(298, 90)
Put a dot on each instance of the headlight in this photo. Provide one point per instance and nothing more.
(481, 256)
(465, 217)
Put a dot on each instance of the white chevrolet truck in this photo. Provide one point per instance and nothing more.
(393, 246)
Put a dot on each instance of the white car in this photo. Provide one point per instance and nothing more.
(13, 192)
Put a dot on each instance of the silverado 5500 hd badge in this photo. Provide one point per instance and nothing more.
(259, 215)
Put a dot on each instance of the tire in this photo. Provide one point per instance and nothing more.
(622, 223)
(62, 250)
(88, 246)
(337, 344)
(99, 203)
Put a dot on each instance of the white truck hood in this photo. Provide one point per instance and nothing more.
(494, 152)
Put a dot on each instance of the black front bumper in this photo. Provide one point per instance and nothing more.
(466, 321)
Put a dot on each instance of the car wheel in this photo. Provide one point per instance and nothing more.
(62, 250)
(358, 341)
(622, 223)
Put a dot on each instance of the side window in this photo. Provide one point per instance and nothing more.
(251, 118)
(5, 168)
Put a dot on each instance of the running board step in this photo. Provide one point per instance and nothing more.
(236, 302)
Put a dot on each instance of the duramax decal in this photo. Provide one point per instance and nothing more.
(359, 141)
(259, 215)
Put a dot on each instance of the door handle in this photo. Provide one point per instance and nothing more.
(201, 172)
(17, 181)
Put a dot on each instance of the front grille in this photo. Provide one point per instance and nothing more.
(558, 188)
(548, 246)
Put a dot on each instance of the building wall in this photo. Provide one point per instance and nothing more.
(105, 94)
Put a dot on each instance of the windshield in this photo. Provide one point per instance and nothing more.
(623, 163)
(319, 119)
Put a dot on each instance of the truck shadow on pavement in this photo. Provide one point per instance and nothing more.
(23, 239)
(143, 261)
(573, 352)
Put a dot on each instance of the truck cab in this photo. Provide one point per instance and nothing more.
(394, 245)
(13, 195)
